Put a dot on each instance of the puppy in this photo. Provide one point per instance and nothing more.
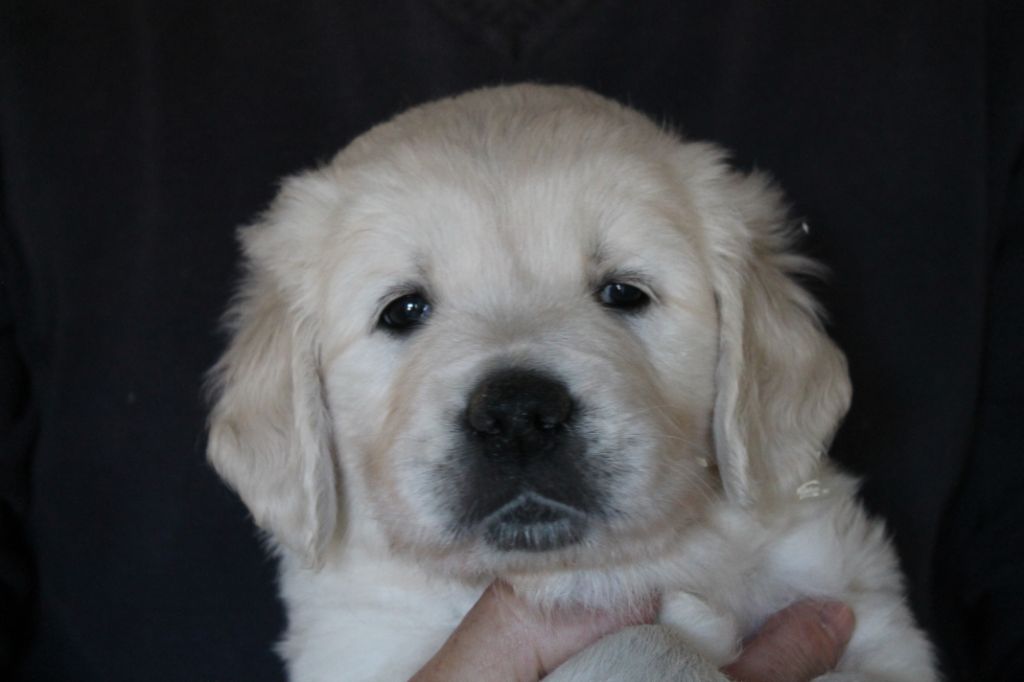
(526, 333)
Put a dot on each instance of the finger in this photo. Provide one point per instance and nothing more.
(503, 638)
(797, 644)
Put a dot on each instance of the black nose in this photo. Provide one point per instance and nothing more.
(519, 411)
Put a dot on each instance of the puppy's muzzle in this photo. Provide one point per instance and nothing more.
(526, 486)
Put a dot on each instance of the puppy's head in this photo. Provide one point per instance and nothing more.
(519, 329)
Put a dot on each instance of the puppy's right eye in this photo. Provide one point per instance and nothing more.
(404, 314)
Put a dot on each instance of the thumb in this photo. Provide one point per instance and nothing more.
(797, 644)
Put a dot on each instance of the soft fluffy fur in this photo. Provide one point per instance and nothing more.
(703, 417)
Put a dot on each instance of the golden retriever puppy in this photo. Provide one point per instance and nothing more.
(527, 334)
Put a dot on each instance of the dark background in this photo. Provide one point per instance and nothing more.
(135, 136)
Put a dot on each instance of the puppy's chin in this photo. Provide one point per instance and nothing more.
(533, 523)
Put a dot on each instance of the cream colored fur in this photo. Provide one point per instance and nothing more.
(710, 411)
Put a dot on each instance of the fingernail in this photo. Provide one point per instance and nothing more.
(838, 621)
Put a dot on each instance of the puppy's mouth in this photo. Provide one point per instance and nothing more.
(533, 523)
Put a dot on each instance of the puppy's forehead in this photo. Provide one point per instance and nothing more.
(526, 188)
(506, 208)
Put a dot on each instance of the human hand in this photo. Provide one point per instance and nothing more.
(501, 638)
(797, 644)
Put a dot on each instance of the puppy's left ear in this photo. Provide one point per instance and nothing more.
(782, 384)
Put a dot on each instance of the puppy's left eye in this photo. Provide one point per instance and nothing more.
(404, 314)
(624, 297)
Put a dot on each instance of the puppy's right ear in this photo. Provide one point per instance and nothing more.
(270, 434)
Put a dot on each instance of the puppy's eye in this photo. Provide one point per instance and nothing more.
(405, 314)
(622, 296)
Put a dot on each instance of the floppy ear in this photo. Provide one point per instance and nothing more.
(782, 385)
(270, 435)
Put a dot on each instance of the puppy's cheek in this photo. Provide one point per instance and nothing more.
(656, 462)
(403, 466)
(682, 394)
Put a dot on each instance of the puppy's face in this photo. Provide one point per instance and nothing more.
(516, 330)
(519, 358)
